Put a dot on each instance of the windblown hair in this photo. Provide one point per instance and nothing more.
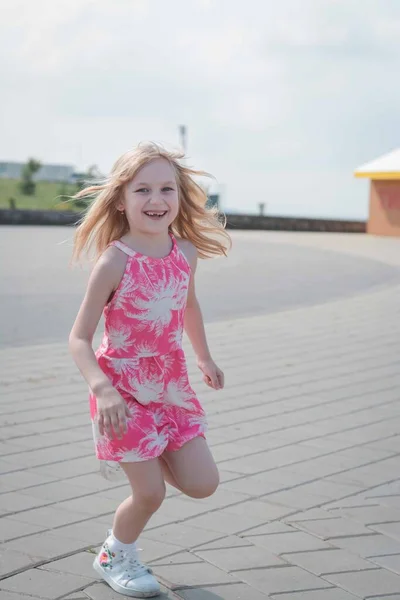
(103, 223)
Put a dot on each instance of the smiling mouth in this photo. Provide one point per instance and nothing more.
(155, 214)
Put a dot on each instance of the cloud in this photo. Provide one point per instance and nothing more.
(275, 95)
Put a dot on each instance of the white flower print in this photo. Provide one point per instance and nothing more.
(134, 410)
(155, 310)
(175, 338)
(158, 417)
(126, 292)
(169, 362)
(120, 337)
(146, 391)
(124, 366)
(145, 349)
(179, 393)
(154, 440)
(131, 455)
(103, 444)
(198, 420)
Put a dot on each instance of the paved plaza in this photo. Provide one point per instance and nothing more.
(306, 433)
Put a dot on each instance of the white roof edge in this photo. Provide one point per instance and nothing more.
(388, 163)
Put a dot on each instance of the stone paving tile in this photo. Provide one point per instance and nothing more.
(254, 484)
(43, 456)
(283, 543)
(10, 529)
(226, 522)
(90, 532)
(390, 529)
(393, 501)
(93, 483)
(152, 550)
(77, 564)
(271, 459)
(77, 466)
(367, 584)
(328, 529)
(13, 502)
(391, 562)
(327, 594)
(296, 498)
(229, 541)
(367, 546)
(12, 561)
(356, 501)
(48, 493)
(191, 574)
(391, 488)
(15, 596)
(232, 559)
(259, 508)
(282, 579)
(390, 597)
(157, 520)
(181, 558)
(44, 545)
(47, 517)
(179, 508)
(268, 528)
(222, 498)
(101, 591)
(44, 584)
(388, 444)
(328, 561)
(182, 535)
(370, 515)
(91, 505)
(223, 592)
(310, 515)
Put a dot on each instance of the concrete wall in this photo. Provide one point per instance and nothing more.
(38, 217)
(293, 224)
(384, 208)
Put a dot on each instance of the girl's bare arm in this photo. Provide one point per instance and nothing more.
(194, 326)
(103, 280)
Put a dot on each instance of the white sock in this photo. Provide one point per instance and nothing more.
(117, 545)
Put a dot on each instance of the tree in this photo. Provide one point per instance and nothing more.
(27, 185)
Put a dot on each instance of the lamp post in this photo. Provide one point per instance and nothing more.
(183, 137)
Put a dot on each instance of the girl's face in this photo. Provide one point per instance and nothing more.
(150, 199)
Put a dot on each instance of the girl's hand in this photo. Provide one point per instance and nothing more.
(212, 375)
(112, 414)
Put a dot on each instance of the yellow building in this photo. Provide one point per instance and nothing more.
(384, 199)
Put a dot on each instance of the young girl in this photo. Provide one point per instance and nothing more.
(148, 223)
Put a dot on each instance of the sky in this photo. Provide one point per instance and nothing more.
(282, 99)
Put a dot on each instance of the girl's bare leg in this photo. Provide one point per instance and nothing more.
(148, 492)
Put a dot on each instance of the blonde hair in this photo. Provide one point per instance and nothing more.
(104, 223)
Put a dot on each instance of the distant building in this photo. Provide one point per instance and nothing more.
(384, 198)
(57, 173)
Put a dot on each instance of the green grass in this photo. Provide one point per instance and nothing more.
(47, 195)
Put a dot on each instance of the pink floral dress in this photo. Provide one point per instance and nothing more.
(141, 353)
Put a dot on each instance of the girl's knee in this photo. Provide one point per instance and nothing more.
(203, 489)
(150, 499)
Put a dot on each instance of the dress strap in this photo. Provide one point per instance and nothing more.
(123, 247)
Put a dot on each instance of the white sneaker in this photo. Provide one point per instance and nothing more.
(124, 572)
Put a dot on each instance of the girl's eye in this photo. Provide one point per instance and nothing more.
(168, 189)
(143, 190)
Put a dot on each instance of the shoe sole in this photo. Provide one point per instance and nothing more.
(119, 588)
